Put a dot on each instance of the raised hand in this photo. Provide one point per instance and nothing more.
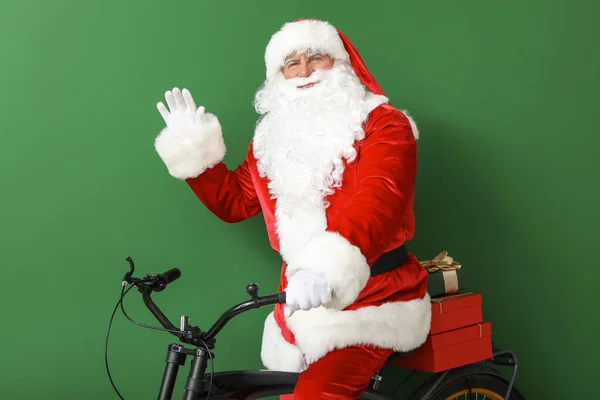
(184, 115)
(192, 140)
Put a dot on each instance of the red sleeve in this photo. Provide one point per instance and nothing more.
(384, 184)
(229, 194)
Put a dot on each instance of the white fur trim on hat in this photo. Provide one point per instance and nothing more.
(301, 36)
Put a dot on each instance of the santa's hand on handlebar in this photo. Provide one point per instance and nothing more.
(306, 290)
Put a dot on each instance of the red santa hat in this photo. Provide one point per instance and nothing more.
(311, 34)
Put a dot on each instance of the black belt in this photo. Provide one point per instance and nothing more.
(390, 261)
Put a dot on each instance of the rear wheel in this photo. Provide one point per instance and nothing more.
(481, 382)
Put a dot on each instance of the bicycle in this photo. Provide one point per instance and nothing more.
(469, 380)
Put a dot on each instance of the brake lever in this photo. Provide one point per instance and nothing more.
(127, 277)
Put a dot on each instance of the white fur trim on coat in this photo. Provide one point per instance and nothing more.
(189, 154)
(278, 354)
(372, 101)
(302, 36)
(400, 326)
(341, 264)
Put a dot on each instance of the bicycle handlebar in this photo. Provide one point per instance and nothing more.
(256, 302)
(159, 282)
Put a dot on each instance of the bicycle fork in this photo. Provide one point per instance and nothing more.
(194, 386)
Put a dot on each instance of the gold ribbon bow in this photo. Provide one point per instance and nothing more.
(443, 262)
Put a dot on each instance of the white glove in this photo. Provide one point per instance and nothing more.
(184, 117)
(192, 140)
(305, 290)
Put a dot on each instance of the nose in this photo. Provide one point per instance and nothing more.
(305, 70)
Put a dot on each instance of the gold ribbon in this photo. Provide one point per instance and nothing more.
(450, 281)
(441, 262)
(448, 266)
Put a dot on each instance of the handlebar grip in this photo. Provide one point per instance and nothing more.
(171, 275)
(281, 297)
(160, 281)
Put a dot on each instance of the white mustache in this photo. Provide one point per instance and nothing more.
(313, 78)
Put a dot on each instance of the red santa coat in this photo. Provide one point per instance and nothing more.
(370, 214)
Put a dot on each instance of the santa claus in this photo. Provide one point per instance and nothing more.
(332, 167)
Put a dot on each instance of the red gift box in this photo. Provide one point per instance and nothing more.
(455, 311)
(450, 349)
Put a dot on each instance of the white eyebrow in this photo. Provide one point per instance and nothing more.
(289, 60)
(312, 54)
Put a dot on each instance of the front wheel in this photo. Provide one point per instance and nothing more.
(482, 382)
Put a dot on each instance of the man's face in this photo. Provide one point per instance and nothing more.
(302, 65)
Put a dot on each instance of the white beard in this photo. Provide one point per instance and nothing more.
(305, 134)
(300, 145)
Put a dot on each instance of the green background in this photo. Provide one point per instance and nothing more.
(505, 94)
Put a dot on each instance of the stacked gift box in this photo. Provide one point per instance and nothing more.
(458, 334)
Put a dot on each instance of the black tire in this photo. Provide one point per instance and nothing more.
(482, 380)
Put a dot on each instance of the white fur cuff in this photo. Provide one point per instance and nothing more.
(341, 264)
(189, 154)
